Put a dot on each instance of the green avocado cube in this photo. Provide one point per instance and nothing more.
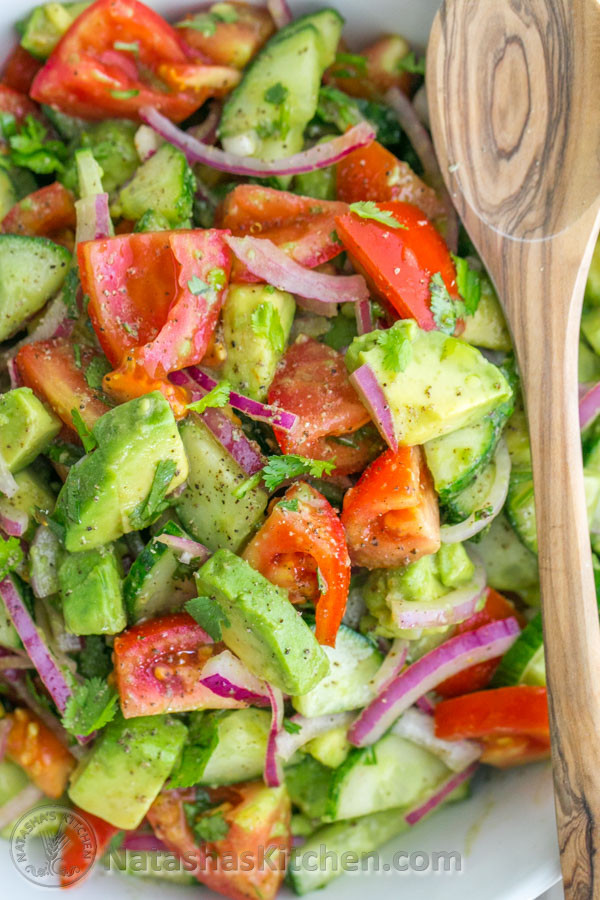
(32, 493)
(444, 385)
(91, 592)
(26, 427)
(122, 775)
(261, 626)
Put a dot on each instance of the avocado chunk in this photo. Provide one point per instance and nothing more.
(91, 593)
(164, 183)
(33, 493)
(331, 748)
(121, 777)
(208, 508)
(257, 320)
(261, 626)
(26, 427)
(112, 146)
(46, 24)
(487, 326)
(105, 491)
(445, 384)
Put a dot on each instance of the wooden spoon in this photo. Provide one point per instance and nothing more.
(514, 100)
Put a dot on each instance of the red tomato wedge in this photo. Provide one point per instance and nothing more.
(312, 381)
(377, 71)
(51, 370)
(373, 173)
(247, 864)
(78, 856)
(158, 665)
(477, 677)
(39, 752)
(391, 515)
(88, 76)
(512, 723)
(20, 69)
(302, 226)
(208, 81)
(399, 263)
(45, 213)
(17, 104)
(229, 43)
(301, 538)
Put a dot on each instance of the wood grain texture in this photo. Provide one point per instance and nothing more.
(515, 112)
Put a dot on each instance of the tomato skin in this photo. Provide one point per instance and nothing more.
(17, 104)
(39, 752)
(249, 841)
(20, 69)
(505, 751)
(399, 267)
(232, 43)
(373, 173)
(84, 71)
(315, 531)
(45, 213)
(477, 677)
(381, 72)
(50, 369)
(158, 665)
(204, 81)
(391, 515)
(312, 381)
(74, 858)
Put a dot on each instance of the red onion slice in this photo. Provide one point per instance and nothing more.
(8, 485)
(142, 842)
(309, 728)
(364, 317)
(93, 218)
(245, 452)
(19, 804)
(425, 704)
(147, 142)
(186, 548)
(270, 263)
(370, 392)
(440, 795)
(16, 525)
(452, 608)
(317, 157)
(206, 131)
(14, 375)
(455, 534)
(275, 416)
(280, 12)
(391, 666)
(227, 676)
(273, 774)
(589, 405)
(426, 673)
(418, 727)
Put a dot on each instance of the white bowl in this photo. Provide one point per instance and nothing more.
(505, 832)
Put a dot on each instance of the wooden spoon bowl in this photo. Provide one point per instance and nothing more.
(514, 101)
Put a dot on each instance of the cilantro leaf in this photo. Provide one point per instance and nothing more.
(145, 512)
(96, 371)
(367, 209)
(290, 505)
(444, 309)
(210, 827)
(218, 396)
(87, 438)
(280, 468)
(266, 322)
(29, 147)
(410, 63)
(468, 283)
(95, 659)
(69, 293)
(351, 59)
(10, 555)
(208, 614)
(276, 94)
(90, 707)
(291, 727)
(396, 348)
(77, 354)
(124, 95)
(321, 582)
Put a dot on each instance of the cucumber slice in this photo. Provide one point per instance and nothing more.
(46, 25)
(32, 269)
(352, 664)
(473, 498)
(516, 435)
(510, 566)
(455, 459)
(164, 183)
(308, 784)
(329, 24)
(524, 662)
(520, 508)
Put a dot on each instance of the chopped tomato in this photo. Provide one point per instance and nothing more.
(45, 213)
(208, 81)
(249, 862)
(376, 72)
(399, 262)
(50, 368)
(511, 722)
(302, 547)
(17, 104)
(302, 226)
(312, 381)
(391, 515)
(158, 665)
(229, 43)
(78, 856)
(39, 752)
(20, 70)
(88, 75)
(373, 173)
(479, 676)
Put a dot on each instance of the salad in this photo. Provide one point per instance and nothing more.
(268, 572)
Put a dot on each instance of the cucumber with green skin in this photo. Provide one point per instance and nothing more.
(164, 183)
(520, 508)
(455, 459)
(523, 663)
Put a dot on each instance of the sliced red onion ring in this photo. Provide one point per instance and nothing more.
(245, 452)
(280, 12)
(5, 726)
(8, 485)
(14, 374)
(267, 261)
(425, 704)
(227, 676)
(19, 804)
(187, 549)
(317, 157)
(426, 673)
(206, 131)
(93, 218)
(142, 842)
(45, 550)
(589, 405)
(275, 416)
(364, 317)
(440, 795)
(423, 147)
(369, 390)
(273, 774)
(147, 142)
(391, 666)
(16, 525)
(308, 728)
(455, 534)
(418, 727)
(452, 608)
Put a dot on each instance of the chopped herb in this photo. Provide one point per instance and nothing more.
(367, 209)
(11, 555)
(468, 283)
(210, 827)
(124, 95)
(341, 332)
(96, 371)
(291, 727)
(90, 707)
(146, 511)
(266, 322)
(291, 505)
(217, 279)
(351, 59)
(410, 63)
(69, 293)
(87, 438)
(276, 94)
(132, 47)
(200, 804)
(77, 355)
(129, 329)
(334, 237)
(95, 659)
(29, 147)
(370, 757)
(196, 286)
(225, 12)
(208, 614)
(396, 348)
(219, 396)
(64, 453)
(206, 23)
(444, 309)
(280, 468)
(322, 583)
